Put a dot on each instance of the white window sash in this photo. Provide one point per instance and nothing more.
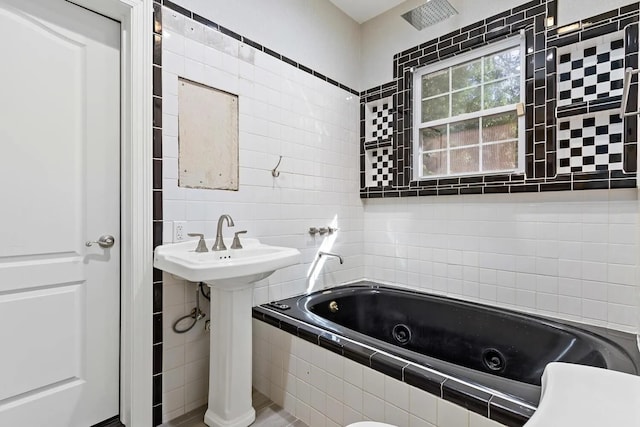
(418, 125)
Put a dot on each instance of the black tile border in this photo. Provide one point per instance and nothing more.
(540, 103)
(466, 396)
(226, 31)
(389, 366)
(158, 318)
(460, 393)
(423, 379)
(508, 413)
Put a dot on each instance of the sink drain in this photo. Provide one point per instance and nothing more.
(493, 360)
(401, 333)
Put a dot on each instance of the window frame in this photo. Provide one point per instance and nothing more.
(447, 64)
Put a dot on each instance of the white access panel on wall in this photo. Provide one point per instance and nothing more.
(207, 137)
(59, 168)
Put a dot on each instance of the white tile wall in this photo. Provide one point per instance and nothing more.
(348, 392)
(572, 255)
(283, 111)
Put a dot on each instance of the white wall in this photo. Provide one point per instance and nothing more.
(283, 111)
(571, 255)
(314, 33)
(570, 11)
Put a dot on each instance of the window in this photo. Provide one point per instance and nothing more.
(466, 117)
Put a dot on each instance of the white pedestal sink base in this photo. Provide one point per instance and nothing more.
(212, 420)
(230, 274)
(230, 358)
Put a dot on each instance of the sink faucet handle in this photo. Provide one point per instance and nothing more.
(236, 240)
(202, 246)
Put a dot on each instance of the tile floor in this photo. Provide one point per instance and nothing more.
(268, 414)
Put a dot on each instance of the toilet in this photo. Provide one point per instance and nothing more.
(584, 396)
(579, 396)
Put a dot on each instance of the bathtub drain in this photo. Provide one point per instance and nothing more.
(401, 333)
(493, 359)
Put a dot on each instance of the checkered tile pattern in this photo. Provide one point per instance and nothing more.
(379, 173)
(592, 143)
(382, 127)
(590, 70)
(379, 119)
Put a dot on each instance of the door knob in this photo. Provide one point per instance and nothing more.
(105, 241)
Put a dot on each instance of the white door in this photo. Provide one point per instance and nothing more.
(59, 187)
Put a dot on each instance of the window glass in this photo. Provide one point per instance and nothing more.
(435, 84)
(466, 114)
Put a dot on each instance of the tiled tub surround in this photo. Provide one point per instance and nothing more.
(285, 109)
(542, 44)
(569, 255)
(327, 381)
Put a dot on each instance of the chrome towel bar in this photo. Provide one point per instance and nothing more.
(628, 72)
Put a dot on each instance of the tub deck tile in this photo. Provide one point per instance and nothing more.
(508, 413)
(272, 320)
(468, 397)
(331, 343)
(388, 365)
(423, 379)
(358, 353)
(308, 335)
(289, 328)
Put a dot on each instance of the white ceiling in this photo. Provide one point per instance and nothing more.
(363, 10)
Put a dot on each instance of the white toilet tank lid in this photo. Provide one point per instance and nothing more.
(584, 396)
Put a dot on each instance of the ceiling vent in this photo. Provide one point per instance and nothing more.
(432, 12)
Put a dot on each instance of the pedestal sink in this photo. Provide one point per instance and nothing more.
(230, 274)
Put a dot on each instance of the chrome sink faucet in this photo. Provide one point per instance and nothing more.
(219, 243)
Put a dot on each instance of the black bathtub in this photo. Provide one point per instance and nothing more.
(500, 350)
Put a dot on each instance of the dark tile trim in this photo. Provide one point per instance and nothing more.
(357, 353)
(305, 334)
(271, 320)
(177, 8)
(157, 389)
(423, 379)
(508, 413)
(331, 343)
(157, 317)
(204, 21)
(387, 365)
(466, 396)
(457, 392)
(157, 359)
(157, 415)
